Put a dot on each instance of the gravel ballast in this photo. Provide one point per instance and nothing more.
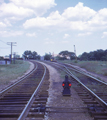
(56, 99)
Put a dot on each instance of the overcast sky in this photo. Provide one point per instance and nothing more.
(53, 25)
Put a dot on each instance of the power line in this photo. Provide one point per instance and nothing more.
(3, 41)
(4, 47)
(11, 44)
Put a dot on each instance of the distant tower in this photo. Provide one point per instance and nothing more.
(53, 54)
(75, 52)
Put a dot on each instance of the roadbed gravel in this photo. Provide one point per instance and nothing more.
(56, 99)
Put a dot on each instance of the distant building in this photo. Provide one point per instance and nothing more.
(42, 58)
(54, 55)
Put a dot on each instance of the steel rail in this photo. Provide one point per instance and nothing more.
(102, 101)
(98, 98)
(25, 110)
(18, 81)
(87, 74)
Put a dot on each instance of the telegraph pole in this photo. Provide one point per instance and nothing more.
(14, 56)
(75, 53)
(11, 44)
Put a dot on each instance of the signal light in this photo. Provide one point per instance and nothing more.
(66, 87)
(63, 84)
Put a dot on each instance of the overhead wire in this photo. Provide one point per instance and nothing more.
(4, 43)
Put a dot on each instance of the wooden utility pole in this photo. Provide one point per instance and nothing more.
(75, 53)
(11, 44)
(14, 57)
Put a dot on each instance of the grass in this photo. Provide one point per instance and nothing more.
(12, 71)
(62, 74)
(99, 67)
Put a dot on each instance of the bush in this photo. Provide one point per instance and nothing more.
(75, 61)
(1, 58)
(61, 58)
(47, 57)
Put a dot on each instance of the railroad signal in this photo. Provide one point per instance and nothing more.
(66, 87)
(63, 84)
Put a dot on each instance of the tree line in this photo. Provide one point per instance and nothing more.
(100, 55)
(63, 55)
(31, 55)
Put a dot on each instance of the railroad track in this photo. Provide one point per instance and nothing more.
(90, 90)
(26, 98)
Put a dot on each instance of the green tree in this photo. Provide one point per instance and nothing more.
(27, 54)
(38, 57)
(94, 55)
(30, 55)
(47, 56)
(1, 58)
(60, 58)
(84, 56)
(65, 54)
(34, 54)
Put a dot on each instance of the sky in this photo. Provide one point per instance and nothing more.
(52, 26)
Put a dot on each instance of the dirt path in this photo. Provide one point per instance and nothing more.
(57, 100)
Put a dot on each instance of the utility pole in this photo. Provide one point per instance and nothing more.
(75, 53)
(14, 56)
(11, 44)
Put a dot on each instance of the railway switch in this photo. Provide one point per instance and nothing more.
(66, 87)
